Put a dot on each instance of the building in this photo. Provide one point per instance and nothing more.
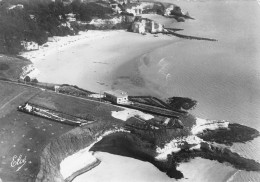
(138, 27)
(116, 96)
(70, 17)
(134, 8)
(142, 25)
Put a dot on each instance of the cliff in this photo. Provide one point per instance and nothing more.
(59, 149)
(164, 148)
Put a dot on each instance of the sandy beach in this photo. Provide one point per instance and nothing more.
(118, 168)
(205, 167)
(89, 60)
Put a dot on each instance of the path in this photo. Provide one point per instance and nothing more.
(11, 100)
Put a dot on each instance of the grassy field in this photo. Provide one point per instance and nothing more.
(11, 67)
(75, 106)
(22, 134)
(26, 135)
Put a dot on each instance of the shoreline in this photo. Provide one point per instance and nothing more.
(59, 43)
(85, 65)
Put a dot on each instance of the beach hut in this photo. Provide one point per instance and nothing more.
(116, 96)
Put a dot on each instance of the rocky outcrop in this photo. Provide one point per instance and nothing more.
(147, 140)
(235, 133)
(179, 103)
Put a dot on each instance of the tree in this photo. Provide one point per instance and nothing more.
(27, 79)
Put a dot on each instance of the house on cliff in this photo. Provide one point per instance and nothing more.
(142, 25)
(116, 96)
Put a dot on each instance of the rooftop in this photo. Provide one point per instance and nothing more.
(117, 93)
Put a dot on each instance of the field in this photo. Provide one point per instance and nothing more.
(23, 136)
(75, 106)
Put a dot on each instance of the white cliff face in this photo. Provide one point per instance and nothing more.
(171, 147)
(174, 146)
(77, 161)
(115, 131)
(83, 158)
(203, 124)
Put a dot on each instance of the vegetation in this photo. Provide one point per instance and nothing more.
(236, 133)
(38, 19)
(181, 103)
(11, 67)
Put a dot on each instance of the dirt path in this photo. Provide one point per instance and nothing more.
(12, 100)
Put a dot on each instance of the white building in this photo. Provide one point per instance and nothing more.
(142, 25)
(135, 10)
(116, 96)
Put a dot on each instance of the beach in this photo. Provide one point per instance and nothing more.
(118, 168)
(90, 59)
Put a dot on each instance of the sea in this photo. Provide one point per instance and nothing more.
(223, 76)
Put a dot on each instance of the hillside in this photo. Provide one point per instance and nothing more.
(11, 66)
(35, 21)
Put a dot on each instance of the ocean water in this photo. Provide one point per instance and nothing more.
(223, 76)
